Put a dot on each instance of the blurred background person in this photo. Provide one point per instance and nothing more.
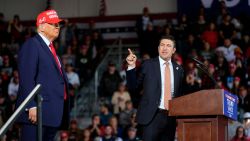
(132, 135)
(240, 135)
(125, 115)
(119, 98)
(246, 123)
(95, 127)
(64, 136)
(109, 82)
(108, 135)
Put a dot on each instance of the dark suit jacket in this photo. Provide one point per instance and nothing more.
(149, 81)
(36, 65)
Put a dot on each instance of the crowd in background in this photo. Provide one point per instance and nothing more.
(222, 43)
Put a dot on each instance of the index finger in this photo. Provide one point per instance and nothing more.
(130, 51)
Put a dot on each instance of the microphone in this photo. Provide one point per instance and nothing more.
(204, 68)
(198, 62)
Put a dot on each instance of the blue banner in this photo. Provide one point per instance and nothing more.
(212, 7)
(230, 105)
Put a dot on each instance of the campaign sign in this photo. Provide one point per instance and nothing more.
(230, 105)
(212, 7)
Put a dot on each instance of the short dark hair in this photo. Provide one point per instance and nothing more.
(94, 115)
(168, 37)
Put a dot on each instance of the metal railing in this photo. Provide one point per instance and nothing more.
(18, 111)
(87, 98)
(99, 70)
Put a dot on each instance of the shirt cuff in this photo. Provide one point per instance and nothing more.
(29, 108)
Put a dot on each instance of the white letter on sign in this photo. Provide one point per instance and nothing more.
(207, 3)
(231, 3)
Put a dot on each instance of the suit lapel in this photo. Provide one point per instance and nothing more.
(47, 50)
(157, 71)
(176, 76)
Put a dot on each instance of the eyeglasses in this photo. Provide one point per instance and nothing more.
(56, 25)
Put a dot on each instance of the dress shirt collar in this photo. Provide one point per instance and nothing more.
(162, 62)
(47, 42)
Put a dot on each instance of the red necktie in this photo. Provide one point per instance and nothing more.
(55, 56)
(58, 65)
(167, 88)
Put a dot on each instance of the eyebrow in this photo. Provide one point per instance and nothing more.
(168, 44)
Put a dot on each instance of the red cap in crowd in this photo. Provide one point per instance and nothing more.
(211, 66)
(237, 78)
(64, 134)
(48, 16)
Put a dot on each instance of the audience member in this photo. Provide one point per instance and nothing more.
(132, 135)
(246, 123)
(226, 28)
(64, 136)
(95, 127)
(227, 50)
(191, 85)
(108, 135)
(69, 56)
(66, 35)
(72, 76)
(86, 135)
(15, 29)
(240, 135)
(83, 63)
(206, 52)
(13, 86)
(141, 26)
(210, 35)
(244, 102)
(125, 115)
(3, 27)
(119, 98)
(74, 131)
(117, 129)
(110, 81)
(105, 114)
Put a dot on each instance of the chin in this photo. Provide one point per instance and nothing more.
(164, 58)
(56, 35)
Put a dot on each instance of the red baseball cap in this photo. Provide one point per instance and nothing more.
(48, 16)
(64, 134)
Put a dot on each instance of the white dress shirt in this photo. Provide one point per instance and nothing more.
(162, 68)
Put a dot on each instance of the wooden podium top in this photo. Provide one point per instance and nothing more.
(204, 102)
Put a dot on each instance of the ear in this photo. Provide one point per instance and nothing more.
(174, 49)
(42, 27)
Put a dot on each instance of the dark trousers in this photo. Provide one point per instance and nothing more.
(161, 128)
(29, 133)
(65, 119)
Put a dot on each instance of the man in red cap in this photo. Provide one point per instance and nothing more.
(38, 63)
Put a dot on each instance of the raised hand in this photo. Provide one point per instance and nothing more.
(131, 58)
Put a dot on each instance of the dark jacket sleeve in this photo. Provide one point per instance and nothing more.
(27, 67)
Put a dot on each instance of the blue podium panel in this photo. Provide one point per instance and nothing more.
(230, 102)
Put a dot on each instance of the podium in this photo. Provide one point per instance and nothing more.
(203, 115)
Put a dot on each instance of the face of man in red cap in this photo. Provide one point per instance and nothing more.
(48, 24)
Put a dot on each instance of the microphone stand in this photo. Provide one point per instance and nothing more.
(204, 68)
